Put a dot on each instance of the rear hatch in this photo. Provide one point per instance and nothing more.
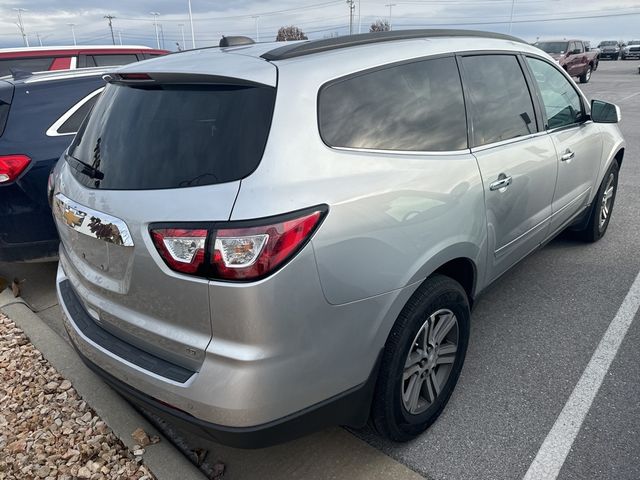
(159, 148)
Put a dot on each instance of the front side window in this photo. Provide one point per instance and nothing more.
(561, 102)
(500, 102)
(411, 107)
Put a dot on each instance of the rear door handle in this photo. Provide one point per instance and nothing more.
(501, 183)
(567, 156)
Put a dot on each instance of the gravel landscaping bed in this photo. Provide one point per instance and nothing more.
(46, 430)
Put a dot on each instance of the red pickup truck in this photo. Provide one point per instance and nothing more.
(572, 55)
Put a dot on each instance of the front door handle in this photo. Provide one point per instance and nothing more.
(567, 156)
(501, 183)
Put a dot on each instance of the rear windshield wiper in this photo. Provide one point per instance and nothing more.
(86, 169)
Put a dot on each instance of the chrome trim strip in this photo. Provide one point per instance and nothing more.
(402, 152)
(52, 131)
(521, 138)
(99, 225)
(542, 222)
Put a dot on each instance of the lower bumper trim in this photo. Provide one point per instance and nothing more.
(350, 408)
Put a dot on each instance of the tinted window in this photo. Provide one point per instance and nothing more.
(562, 103)
(173, 135)
(552, 47)
(26, 64)
(417, 106)
(72, 124)
(108, 60)
(500, 102)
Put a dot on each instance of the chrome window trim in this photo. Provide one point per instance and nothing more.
(73, 215)
(52, 131)
(415, 153)
(501, 143)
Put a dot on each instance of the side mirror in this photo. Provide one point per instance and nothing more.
(603, 112)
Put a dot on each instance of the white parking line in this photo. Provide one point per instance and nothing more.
(557, 445)
(630, 96)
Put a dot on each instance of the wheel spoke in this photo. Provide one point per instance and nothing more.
(434, 380)
(431, 394)
(412, 359)
(413, 396)
(444, 326)
(409, 372)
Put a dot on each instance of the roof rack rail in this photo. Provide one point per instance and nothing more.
(234, 41)
(299, 49)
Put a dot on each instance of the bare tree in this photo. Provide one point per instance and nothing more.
(380, 26)
(290, 33)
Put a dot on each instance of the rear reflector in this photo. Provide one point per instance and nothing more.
(237, 251)
(12, 166)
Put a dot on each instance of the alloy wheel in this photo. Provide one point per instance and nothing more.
(607, 200)
(430, 361)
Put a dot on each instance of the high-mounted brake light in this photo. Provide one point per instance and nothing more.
(134, 76)
(11, 166)
(242, 253)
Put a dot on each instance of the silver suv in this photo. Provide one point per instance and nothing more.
(262, 240)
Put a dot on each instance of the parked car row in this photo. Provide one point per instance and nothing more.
(614, 50)
(261, 240)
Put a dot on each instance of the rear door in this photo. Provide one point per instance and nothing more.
(148, 154)
(518, 162)
(577, 140)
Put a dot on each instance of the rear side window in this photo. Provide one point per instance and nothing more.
(70, 122)
(173, 135)
(500, 102)
(108, 60)
(39, 64)
(411, 107)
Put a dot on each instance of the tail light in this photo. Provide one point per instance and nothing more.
(11, 166)
(240, 251)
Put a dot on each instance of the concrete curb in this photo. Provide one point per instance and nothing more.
(163, 459)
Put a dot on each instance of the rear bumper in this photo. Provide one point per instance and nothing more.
(350, 408)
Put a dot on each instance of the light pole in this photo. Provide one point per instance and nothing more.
(193, 35)
(39, 39)
(120, 36)
(351, 9)
(513, 4)
(359, 17)
(390, 5)
(184, 44)
(155, 25)
(25, 39)
(257, 30)
(109, 18)
(73, 32)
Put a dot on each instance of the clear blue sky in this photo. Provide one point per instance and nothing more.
(588, 19)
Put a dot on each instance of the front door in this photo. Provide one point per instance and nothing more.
(517, 162)
(577, 142)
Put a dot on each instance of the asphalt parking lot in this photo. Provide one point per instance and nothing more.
(533, 334)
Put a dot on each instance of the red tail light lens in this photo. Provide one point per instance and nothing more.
(11, 166)
(242, 253)
(251, 253)
(181, 249)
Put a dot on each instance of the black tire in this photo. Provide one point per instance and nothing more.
(389, 415)
(596, 229)
(586, 76)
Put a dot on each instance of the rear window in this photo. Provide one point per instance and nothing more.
(173, 136)
(115, 59)
(411, 107)
(39, 64)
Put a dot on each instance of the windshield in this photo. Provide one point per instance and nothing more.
(634, 42)
(609, 43)
(552, 47)
(170, 136)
